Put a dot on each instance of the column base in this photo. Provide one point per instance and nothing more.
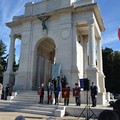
(101, 98)
(102, 82)
(22, 82)
(9, 77)
(92, 75)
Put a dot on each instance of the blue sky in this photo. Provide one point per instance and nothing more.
(110, 11)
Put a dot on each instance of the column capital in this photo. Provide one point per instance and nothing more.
(98, 38)
(85, 39)
(12, 36)
(91, 22)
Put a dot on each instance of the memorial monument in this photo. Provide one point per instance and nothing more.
(67, 32)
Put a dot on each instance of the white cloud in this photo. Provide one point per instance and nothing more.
(109, 38)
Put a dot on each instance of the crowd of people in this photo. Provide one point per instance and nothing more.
(60, 84)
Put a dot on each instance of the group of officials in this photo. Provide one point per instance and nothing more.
(54, 88)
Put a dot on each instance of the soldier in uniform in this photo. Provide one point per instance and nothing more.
(77, 97)
(56, 94)
(41, 93)
(49, 92)
(66, 100)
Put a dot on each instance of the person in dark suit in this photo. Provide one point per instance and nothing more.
(94, 92)
(63, 81)
(6, 91)
(56, 94)
(42, 93)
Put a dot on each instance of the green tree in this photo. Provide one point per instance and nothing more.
(111, 69)
(3, 58)
(116, 71)
(15, 65)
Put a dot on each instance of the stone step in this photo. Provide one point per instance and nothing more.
(41, 108)
(27, 102)
(28, 111)
(28, 108)
(28, 99)
(24, 103)
(29, 96)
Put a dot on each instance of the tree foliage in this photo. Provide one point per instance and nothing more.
(111, 69)
(3, 58)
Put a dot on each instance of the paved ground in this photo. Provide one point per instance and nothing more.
(12, 115)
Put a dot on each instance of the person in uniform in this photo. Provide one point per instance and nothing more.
(10, 89)
(49, 91)
(77, 97)
(63, 81)
(66, 100)
(55, 91)
(94, 92)
(41, 93)
(6, 91)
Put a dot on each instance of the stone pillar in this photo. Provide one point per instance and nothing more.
(85, 56)
(74, 68)
(9, 74)
(11, 54)
(100, 66)
(92, 72)
(91, 37)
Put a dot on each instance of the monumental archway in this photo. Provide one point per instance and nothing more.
(45, 54)
(68, 23)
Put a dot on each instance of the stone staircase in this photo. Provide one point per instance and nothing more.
(27, 102)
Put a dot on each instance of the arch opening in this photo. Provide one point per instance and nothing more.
(45, 55)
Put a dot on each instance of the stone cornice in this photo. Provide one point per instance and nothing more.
(71, 9)
(93, 7)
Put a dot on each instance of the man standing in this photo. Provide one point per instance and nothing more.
(66, 100)
(94, 92)
(77, 94)
(63, 81)
(41, 93)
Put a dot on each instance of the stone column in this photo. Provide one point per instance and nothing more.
(99, 54)
(91, 38)
(74, 67)
(9, 74)
(100, 67)
(11, 54)
(92, 72)
(85, 56)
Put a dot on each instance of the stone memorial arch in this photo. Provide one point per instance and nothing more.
(57, 31)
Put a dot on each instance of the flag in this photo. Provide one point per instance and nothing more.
(66, 93)
(119, 33)
(56, 70)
